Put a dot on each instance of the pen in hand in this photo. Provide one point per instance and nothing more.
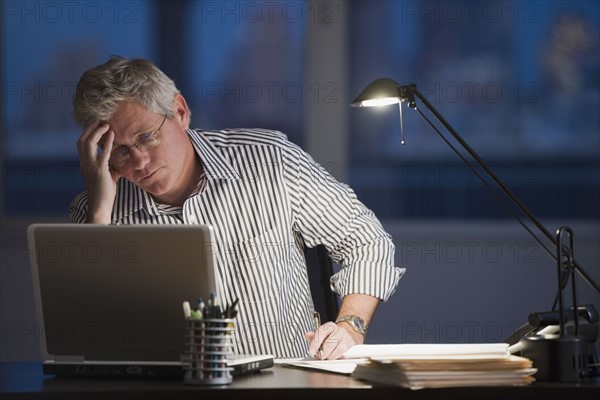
(317, 319)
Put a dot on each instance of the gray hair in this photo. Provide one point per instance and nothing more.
(101, 89)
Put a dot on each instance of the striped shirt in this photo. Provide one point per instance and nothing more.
(266, 199)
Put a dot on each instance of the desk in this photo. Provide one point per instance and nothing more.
(24, 380)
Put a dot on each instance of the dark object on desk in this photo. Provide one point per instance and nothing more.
(557, 359)
(561, 357)
(588, 329)
(547, 353)
(320, 269)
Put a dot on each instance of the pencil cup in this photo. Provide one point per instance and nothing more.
(208, 341)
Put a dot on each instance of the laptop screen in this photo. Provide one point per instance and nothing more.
(115, 293)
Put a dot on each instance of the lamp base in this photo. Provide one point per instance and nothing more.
(557, 359)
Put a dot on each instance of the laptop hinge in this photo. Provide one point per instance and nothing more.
(69, 358)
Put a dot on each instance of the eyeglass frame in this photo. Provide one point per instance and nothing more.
(138, 145)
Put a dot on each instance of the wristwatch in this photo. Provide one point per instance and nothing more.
(356, 322)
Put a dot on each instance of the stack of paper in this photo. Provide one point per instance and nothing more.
(417, 366)
(444, 365)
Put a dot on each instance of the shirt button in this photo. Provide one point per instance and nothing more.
(192, 219)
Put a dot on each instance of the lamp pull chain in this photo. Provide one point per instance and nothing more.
(402, 142)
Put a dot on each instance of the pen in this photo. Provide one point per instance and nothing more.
(231, 311)
(201, 305)
(187, 310)
(317, 318)
(212, 305)
(196, 314)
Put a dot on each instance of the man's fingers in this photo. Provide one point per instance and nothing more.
(90, 138)
(88, 130)
(331, 339)
(106, 149)
(325, 333)
(342, 346)
(329, 348)
(96, 136)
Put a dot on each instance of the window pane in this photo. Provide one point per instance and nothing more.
(245, 68)
(518, 80)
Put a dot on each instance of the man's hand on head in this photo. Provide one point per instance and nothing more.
(94, 147)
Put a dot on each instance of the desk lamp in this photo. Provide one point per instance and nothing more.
(561, 357)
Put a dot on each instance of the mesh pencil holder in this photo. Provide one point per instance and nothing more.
(208, 342)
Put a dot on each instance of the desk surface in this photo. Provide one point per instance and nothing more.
(24, 380)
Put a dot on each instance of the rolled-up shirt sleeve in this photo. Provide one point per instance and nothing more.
(328, 212)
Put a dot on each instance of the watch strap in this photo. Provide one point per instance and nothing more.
(356, 322)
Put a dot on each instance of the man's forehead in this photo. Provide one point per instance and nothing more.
(129, 120)
(129, 108)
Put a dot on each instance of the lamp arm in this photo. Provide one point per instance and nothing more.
(409, 92)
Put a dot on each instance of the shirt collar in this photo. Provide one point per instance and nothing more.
(215, 164)
(131, 198)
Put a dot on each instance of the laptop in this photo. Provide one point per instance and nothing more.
(109, 297)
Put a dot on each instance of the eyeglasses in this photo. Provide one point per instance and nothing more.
(144, 141)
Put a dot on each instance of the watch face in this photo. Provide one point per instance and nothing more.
(359, 323)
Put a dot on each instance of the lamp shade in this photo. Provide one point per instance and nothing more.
(380, 92)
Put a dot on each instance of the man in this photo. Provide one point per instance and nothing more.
(263, 195)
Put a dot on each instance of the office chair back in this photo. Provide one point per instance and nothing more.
(320, 269)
